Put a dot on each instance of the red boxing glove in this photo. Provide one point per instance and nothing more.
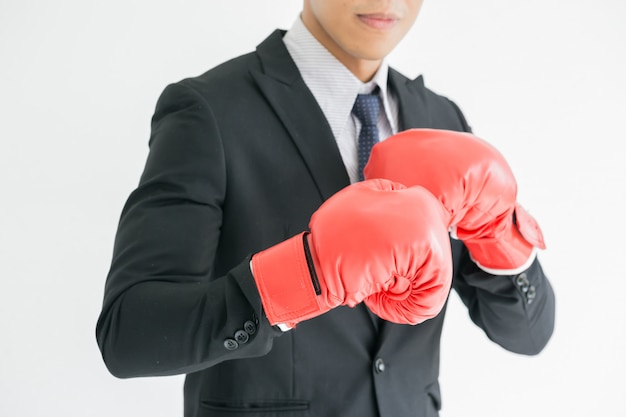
(474, 183)
(365, 243)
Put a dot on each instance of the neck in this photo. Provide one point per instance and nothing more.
(363, 70)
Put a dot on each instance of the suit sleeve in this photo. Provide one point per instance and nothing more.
(516, 311)
(164, 312)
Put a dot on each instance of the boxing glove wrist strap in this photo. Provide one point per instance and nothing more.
(284, 278)
(508, 255)
(514, 249)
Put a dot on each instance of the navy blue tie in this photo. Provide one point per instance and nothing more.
(366, 108)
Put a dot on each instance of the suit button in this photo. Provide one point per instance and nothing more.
(522, 282)
(379, 366)
(231, 344)
(249, 327)
(531, 294)
(241, 336)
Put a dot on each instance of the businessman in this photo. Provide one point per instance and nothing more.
(261, 258)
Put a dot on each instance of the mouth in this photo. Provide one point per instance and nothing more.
(380, 21)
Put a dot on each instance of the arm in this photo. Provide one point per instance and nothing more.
(503, 284)
(164, 312)
(515, 311)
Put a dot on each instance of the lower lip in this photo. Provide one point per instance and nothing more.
(378, 23)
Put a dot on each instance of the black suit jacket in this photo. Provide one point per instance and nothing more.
(240, 157)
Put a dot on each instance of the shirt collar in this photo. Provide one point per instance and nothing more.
(334, 87)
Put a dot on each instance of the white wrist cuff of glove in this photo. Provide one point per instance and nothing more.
(513, 271)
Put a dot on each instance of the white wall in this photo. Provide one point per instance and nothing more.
(541, 79)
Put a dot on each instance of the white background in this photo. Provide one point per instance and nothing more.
(541, 79)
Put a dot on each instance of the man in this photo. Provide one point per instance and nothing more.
(246, 157)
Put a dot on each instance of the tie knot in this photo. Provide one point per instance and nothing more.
(366, 108)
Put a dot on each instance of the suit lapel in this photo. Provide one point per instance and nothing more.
(412, 104)
(294, 104)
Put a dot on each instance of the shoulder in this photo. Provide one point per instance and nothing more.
(441, 111)
(220, 88)
(236, 79)
(225, 78)
(442, 107)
